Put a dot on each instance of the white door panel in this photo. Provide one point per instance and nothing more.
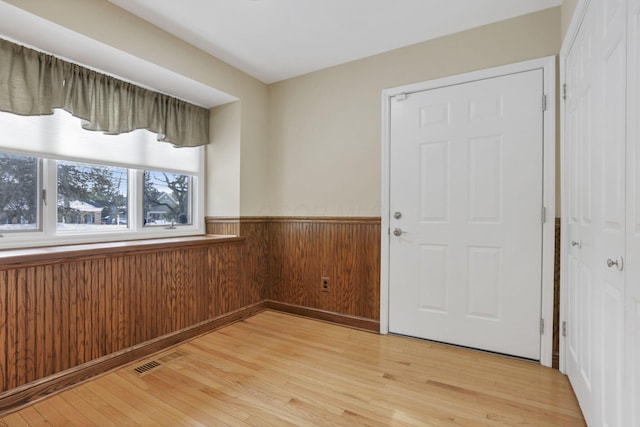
(611, 72)
(612, 354)
(466, 175)
(580, 337)
(596, 150)
(632, 341)
(582, 318)
(632, 300)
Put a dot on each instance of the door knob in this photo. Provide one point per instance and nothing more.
(616, 263)
(398, 232)
(576, 243)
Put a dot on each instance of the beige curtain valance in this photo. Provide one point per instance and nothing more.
(34, 83)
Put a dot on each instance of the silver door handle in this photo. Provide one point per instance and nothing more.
(576, 243)
(616, 263)
(398, 232)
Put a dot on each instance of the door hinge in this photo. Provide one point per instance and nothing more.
(564, 328)
(544, 102)
(400, 96)
(564, 91)
(543, 214)
(541, 326)
(44, 197)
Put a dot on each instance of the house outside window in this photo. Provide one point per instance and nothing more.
(167, 198)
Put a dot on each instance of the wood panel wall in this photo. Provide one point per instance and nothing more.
(59, 315)
(67, 317)
(65, 313)
(298, 251)
(254, 271)
(556, 297)
(345, 250)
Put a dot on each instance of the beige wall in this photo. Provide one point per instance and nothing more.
(223, 161)
(246, 186)
(325, 127)
(309, 145)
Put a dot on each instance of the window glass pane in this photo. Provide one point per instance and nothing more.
(167, 198)
(18, 192)
(91, 197)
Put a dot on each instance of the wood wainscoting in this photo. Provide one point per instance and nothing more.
(556, 297)
(298, 251)
(344, 250)
(66, 318)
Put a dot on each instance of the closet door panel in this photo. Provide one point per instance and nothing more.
(611, 71)
(582, 188)
(632, 326)
(597, 211)
(601, 161)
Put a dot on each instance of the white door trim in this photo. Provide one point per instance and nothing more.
(548, 65)
(567, 44)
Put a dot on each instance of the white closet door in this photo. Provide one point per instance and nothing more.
(632, 327)
(596, 194)
(611, 228)
(582, 334)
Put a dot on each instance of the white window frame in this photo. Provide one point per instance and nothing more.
(48, 235)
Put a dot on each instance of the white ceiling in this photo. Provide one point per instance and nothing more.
(274, 40)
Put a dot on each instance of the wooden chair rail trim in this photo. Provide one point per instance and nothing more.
(56, 254)
(309, 219)
(18, 397)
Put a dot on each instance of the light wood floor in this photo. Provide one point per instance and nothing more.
(277, 369)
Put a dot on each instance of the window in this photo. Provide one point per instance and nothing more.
(19, 208)
(91, 196)
(62, 184)
(167, 198)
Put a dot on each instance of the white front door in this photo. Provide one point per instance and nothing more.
(466, 191)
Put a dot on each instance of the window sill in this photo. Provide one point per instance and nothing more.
(53, 254)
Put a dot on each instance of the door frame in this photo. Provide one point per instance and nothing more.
(548, 65)
(567, 44)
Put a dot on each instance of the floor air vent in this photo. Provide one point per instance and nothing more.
(143, 369)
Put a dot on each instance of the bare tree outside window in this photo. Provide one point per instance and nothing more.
(167, 198)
